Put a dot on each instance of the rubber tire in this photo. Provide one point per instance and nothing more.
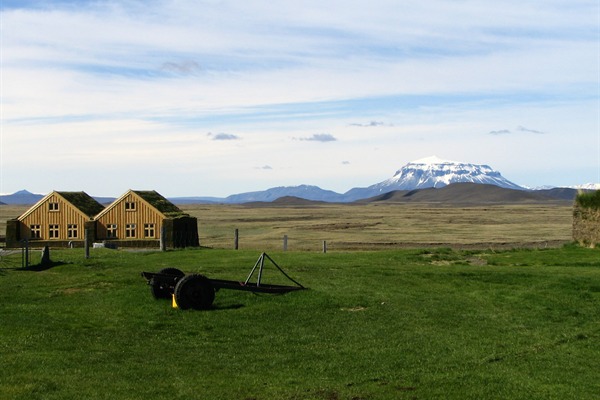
(194, 291)
(171, 271)
(160, 292)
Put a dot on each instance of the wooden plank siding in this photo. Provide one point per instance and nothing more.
(148, 211)
(118, 214)
(43, 216)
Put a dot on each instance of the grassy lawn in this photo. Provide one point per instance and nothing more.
(403, 324)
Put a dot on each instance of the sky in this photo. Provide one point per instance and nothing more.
(212, 98)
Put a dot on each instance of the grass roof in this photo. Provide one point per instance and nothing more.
(160, 203)
(588, 199)
(84, 202)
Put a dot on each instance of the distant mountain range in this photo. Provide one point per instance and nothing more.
(421, 180)
(24, 197)
(431, 172)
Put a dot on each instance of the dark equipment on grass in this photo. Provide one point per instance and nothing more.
(198, 292)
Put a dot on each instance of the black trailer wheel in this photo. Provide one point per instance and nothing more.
(171, 271)
(194, 291)
(161, 291)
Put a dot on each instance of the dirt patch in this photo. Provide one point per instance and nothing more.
(477, 261)
(441, 262)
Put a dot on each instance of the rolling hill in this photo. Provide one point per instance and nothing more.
(472, 193)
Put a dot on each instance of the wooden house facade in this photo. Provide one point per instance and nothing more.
(58, 218)
(141, 218)
(136, 219)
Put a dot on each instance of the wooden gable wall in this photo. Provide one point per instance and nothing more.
(68, 220)
(119, 213)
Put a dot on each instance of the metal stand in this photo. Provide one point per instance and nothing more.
(260, 263)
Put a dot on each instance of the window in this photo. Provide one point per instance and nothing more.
(149, 230)
(53, 232)
(111, 231)
(72, 231)
(130, 230)
(36, 231)
(129, 206)
(52, 206)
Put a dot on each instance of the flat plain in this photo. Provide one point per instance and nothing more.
(374, 226)
(384, 226)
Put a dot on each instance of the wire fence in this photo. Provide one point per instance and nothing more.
(15, 258)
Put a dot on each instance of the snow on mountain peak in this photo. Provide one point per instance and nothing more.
(436, 172)
(587, 186)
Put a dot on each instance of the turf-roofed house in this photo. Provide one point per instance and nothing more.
(139, 218)
(59, 219)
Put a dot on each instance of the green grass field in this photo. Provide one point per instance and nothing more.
(403, 324)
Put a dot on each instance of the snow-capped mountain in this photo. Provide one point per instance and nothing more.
(587, 186)
(433, 172)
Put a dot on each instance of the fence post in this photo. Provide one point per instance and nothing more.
(86, 243)
(285, 242)
(25, 254)
(236, 239)
(324, 246)
(163, 239)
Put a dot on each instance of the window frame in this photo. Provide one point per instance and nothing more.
(150, 230)
(130, 231)
(72, 231)
(53, 231)
(35, 231)
(112, 231)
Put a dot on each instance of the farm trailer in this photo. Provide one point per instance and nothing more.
(198, 291)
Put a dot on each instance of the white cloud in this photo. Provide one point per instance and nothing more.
(518, 129)
(527, 130)
(319, 137)
(128, 81)
(223, 136)
(501, 132)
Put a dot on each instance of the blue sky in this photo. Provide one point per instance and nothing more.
(220, 97)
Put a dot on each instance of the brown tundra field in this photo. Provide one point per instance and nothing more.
(374, 226)
(383, 226)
